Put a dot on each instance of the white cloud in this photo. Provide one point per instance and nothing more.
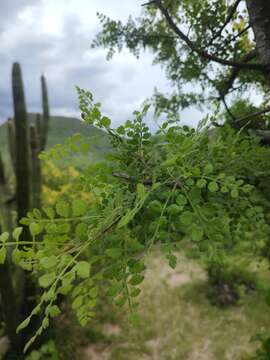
(54, 37)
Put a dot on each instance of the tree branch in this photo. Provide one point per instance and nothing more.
(227, 108)
(249, 117)
(216, 124)
(235, 72)
(201, 52)
(257, 113)
(232, 10)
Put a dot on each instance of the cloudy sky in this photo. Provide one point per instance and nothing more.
(54, 37)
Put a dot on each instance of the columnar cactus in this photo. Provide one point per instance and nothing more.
(11, 141)
(20, 144)
(39, 134)
(39, 126)
(36, 165)
(25, 144)
(46, 112)
(2, 172)
(22, 159)
(8, 298)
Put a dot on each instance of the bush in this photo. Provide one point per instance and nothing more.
(225, 279)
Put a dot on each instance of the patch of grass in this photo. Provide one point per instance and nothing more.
(178, 322)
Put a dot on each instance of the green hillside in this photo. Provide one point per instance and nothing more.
(60, 129)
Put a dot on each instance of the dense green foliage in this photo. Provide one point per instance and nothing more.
(179, 184)
(221, 49)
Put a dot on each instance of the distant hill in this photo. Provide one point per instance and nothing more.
(62, 128)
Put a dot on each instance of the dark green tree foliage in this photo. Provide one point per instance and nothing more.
(208, 44)
(242, 108)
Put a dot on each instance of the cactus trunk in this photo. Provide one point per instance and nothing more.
(11, 141)
(22, 146)
(8, 298)
(46, 112)
(18, 297)
(36, 166)
(23, 190)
